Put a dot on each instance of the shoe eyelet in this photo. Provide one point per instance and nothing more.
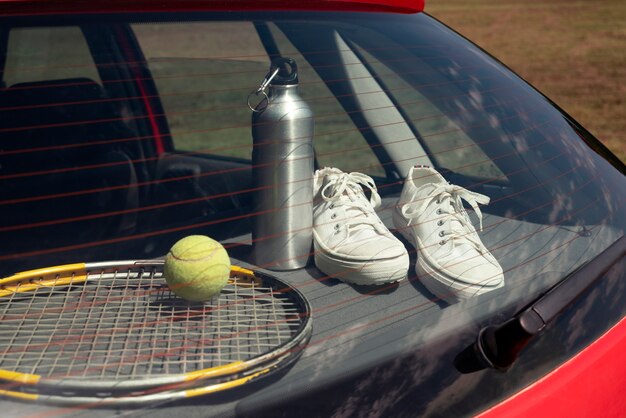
(439, 223)
(332, 206)
(438, 211)
(333, 216)
(442, 242)
(441, 234)
(336, 232)
(439, 201)
(336, 227)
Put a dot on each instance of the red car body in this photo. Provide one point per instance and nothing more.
(591, 382)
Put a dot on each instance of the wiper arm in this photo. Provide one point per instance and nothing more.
(498, 346)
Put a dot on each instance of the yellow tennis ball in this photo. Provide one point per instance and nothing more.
(197, 268)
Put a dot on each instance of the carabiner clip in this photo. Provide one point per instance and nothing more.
(267, 81)
(262, 90)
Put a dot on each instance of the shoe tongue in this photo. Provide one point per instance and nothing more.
(355, 203)
(423, 176)
(456, 226)
(448, 205)
(351, 192)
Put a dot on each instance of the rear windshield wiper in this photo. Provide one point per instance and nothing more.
(498, 346)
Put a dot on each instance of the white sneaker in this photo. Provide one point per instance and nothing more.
(351, 242)
(452, 261)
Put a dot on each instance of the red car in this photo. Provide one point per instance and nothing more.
(124, 128)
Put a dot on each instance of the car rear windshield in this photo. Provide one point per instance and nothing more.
(119, 136)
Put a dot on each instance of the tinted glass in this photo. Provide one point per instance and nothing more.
(148, 138)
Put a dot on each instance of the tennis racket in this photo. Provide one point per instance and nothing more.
(114, 333)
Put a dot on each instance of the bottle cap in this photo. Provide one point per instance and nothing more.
(287, 71)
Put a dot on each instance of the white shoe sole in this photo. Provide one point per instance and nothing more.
(437, 283)
(364, 273)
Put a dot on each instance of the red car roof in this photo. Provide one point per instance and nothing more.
(42, 7)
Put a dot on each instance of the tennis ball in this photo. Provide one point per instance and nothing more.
(197, 268)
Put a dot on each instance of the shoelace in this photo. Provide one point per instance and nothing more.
(452, 193)
(347, 187)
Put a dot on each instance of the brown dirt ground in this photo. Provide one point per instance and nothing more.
(572, 51)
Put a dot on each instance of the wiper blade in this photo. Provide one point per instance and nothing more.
(498, 346)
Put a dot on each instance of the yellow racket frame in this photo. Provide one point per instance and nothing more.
(74, 274)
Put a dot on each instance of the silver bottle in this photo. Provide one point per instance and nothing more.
(282, 158)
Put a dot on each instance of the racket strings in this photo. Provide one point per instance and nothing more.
(127, 324)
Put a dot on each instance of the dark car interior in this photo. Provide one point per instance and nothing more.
(57, 179)
(88, 173)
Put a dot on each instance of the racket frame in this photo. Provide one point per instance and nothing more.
(36, 387)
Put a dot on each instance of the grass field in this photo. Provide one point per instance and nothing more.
(573, 51)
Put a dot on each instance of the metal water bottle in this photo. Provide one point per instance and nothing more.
(282, 158)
